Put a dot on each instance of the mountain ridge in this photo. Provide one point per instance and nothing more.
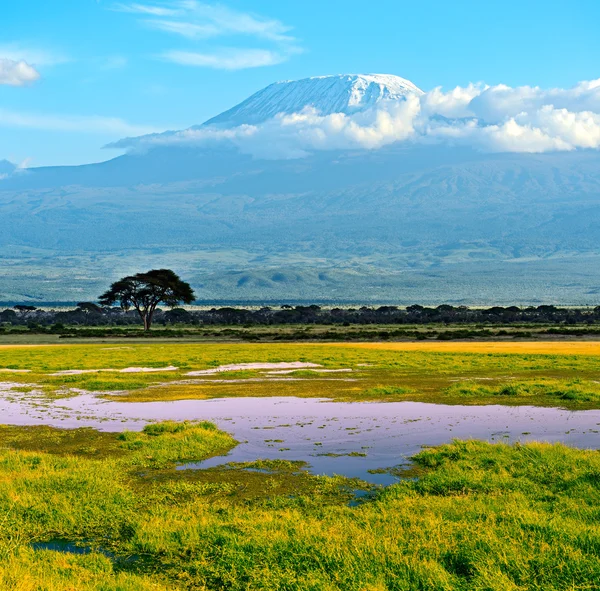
(339, 93)
(345, 94)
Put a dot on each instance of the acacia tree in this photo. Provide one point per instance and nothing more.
(145, 291)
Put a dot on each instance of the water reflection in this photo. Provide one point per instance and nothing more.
(333, 437)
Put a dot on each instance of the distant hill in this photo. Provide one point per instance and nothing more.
(6, 168)
(405, 222)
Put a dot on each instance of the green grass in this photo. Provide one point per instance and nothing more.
(52, 489)
(562, 391)
(305, 373)
(468, 516)
(386, 392)
(479, 517)
(440, 376)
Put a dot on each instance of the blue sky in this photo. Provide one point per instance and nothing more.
(78, 74)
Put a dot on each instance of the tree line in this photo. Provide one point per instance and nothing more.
(92, 314)
(137, 298)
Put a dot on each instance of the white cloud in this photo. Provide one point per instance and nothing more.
(34, 56)
(146, 9)
(495, 103)
(523, 119)
(190, 19)
(24, 164)
(199, 21)
(489, 118)
(19, 65)
(581, 130)
(17, 73)
(190, 30)
(295, 135)
(454, 103)
(72, 123)
(226, 59)
(230, 21)
(510, 136)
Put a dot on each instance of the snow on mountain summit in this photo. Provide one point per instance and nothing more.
(346, 93)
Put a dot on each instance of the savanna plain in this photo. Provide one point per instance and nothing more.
(112, 478)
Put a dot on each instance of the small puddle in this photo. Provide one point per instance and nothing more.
(82, 548)
(353, 439)
(360, 496)
(69, 548)
(284, 366)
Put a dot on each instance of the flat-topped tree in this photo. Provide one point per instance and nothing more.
(145, 291)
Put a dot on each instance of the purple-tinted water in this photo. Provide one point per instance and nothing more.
(308, 428)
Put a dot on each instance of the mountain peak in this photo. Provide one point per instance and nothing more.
(6, 168)
(344, 93)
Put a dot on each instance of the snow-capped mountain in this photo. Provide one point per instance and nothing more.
(343, 93)
(346, 93)
(409, 221)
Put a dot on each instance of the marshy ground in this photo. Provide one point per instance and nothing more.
(153, 504)
(561, 374)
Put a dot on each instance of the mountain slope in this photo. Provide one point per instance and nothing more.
(346, 94)
(365, 224)
(6, 168)
(327, 94)
(428, 223)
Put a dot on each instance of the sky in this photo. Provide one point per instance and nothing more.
(76, 75)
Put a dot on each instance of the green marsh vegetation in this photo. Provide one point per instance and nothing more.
(479, 516)
(442, 375)
(466, 516)
(575, 391)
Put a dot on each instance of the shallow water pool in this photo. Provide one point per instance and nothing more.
(348, 438)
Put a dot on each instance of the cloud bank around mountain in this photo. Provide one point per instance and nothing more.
(489, 118)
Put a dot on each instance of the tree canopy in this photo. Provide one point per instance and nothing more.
(145, 291)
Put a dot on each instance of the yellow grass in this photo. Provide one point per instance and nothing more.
(502, 347)
(524, 348)
(11, 346)
(549, 373)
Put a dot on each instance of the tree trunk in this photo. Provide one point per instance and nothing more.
(147, 322)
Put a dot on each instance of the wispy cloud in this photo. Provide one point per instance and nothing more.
(17, 73)
(34, 56)
(199, 22)
(94, 124)
(147, 9)
(189, 30)
(227, 59)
